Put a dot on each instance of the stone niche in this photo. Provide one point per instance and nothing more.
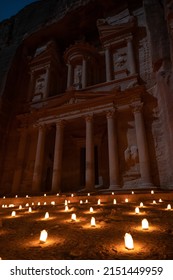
(45, 74)
(82, 61)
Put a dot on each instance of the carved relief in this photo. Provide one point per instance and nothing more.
(131, 157)
(40, 84)
(78, 77)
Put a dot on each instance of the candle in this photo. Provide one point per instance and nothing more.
(128, 241)
(145, 224)
(93, 222)
(43, 236)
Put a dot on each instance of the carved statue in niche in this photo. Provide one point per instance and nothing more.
(78, 77)
(131, 157)
(40, 84)
(120, 60)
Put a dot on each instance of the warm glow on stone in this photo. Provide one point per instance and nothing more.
(145, 224)
(137, 210)
(169, 207)
(13, 214)
(91, 209)
(128, 240)
(141, 204)
(93, 222)
(114, 201)
(126, 200)
(73, 217)
(43, 236)
(46, 216)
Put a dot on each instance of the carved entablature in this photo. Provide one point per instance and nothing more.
(44, 71)
(113, 33)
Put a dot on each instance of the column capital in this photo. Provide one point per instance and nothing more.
(136, 106)
(60, 123)
(111, 113)
(89, 117)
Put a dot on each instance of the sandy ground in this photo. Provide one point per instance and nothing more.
(68, 240)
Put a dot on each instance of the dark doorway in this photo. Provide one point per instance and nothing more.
(83, 165)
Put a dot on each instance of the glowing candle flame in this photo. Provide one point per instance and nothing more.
(93, 222)
(46, 216)
(169, 207)
(57, 194)
(20, 207)
(126, 200)
(3, 197)
(145, 224)
(114, 201)
(27, 204)
(43, 236)
(152, 192)
(32, 203)
(52, 202)
(16, 196)
(65, 202)
(88, 194)
(128, 241)
(45, 203)
(45, 194)
(66, 208)
(154, 202)
(38, 203)
(30, 210)
(86, 201)
(81, 202)
(112, 193)
(72, 195)
(91, 209)
(137, 210)
(73, 217)
(141, 204)
(132, 192)
(160, 200)
(98, 202)
(26, 196)
(13, 214)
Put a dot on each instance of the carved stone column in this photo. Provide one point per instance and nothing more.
(57, 165)
(142, 144)
(131, 59)
(69, 76)
(84, 73)
(20, 160)
(113, 151)
(37, 174)
(90, 172)
(108, 65)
